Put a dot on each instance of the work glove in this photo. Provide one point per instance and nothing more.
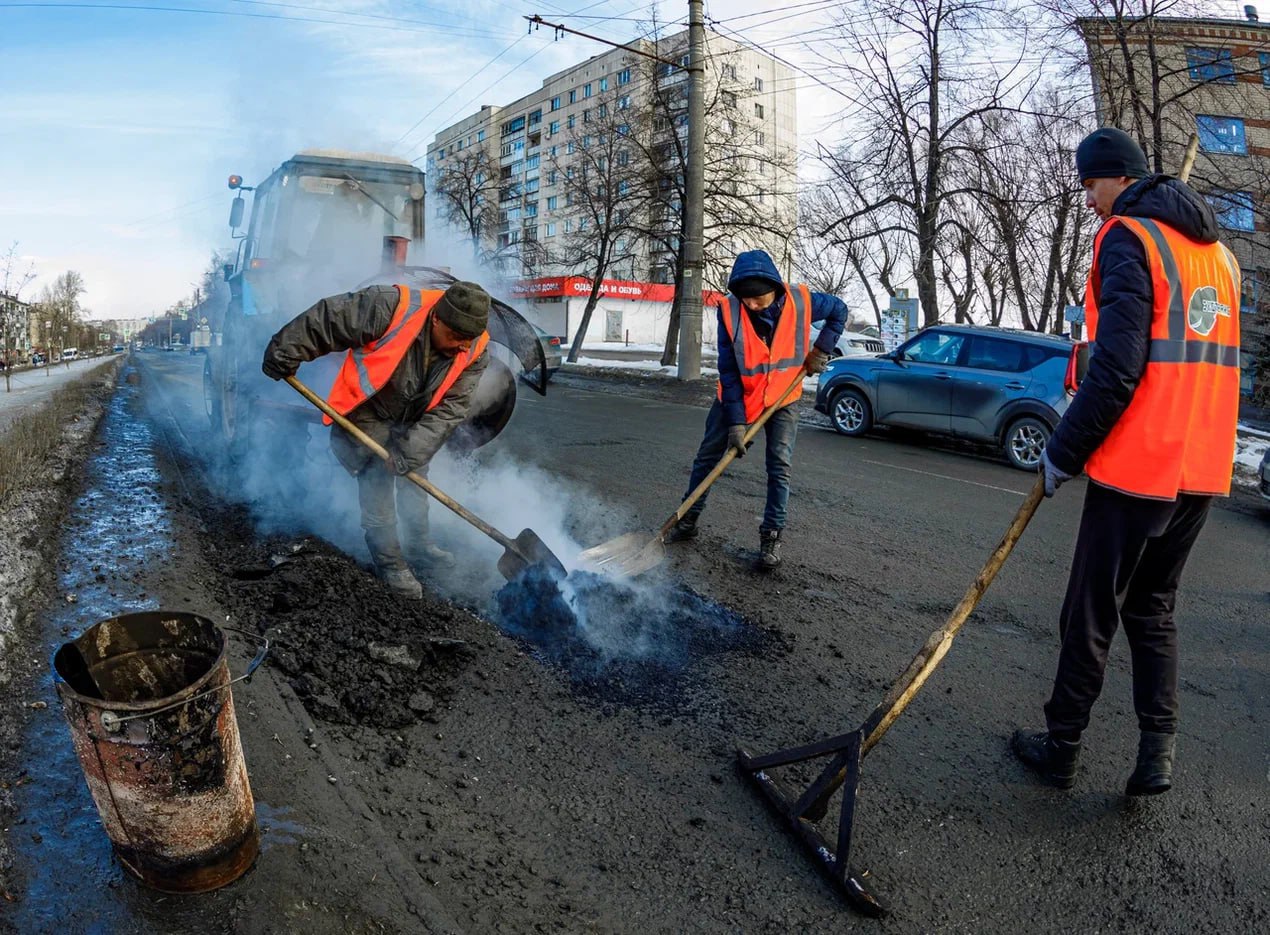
(1054, 478)
(275, 369)
(816, 361)
(736, 439)
(397, 462)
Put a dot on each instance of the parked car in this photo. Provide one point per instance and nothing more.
(550, 349)
(853, 344)
(70, 353)
(997, 385)
(37, 360)
(1265, 474)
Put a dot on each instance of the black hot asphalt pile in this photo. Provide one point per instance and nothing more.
(627, 642)
(353, 652)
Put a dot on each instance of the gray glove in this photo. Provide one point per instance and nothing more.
(816, 362)
(1054, 478)
(397, 462)
(736, 439)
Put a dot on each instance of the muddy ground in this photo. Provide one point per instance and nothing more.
(419, 768)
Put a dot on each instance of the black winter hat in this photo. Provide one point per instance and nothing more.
(752, 286)
(1108, 153)
(465, 308)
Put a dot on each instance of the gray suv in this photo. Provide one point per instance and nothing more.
(988, 384)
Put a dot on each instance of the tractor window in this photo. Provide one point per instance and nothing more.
(338, 222)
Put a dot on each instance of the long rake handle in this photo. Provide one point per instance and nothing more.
(906, 687)
(418, 479)
(730, 455)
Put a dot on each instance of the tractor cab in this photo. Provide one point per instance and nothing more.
(323, 223)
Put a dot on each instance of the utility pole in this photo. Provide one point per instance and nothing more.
(694, 208)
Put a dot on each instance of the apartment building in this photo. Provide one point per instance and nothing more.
(1164, 79)
(520, 199)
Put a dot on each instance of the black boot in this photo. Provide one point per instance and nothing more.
(769, 555)
(1154, 772)
(1052, 759)
(684, 530)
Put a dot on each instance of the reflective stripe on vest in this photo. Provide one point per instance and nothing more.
(766, 370)
(1178, 433)
(367, 369)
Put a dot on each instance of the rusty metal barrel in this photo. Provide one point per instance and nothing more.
(151, 714)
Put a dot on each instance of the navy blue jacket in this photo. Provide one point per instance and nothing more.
(1118, 357)
(756, 264)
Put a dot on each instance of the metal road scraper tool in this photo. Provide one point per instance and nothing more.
(635, 553)
(518, 554)
(848, 750)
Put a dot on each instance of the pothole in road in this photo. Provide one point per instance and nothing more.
(622, 641)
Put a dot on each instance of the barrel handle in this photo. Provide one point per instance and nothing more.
(113, 722)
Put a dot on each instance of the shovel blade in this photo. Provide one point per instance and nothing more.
(528, 549)
(626, 556)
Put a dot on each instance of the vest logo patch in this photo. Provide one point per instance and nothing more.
(1203, 309)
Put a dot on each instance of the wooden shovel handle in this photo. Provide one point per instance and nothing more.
(730, 455)
(417, 479)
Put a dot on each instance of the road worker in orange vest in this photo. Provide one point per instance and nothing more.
(1153, 425)
(764, 337)
(414, 360)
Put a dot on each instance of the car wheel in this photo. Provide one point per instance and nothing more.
(850, 412)
(1024, 441)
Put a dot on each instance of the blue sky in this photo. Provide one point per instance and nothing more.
(119, 125)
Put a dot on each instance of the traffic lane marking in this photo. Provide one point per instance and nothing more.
(960, 480)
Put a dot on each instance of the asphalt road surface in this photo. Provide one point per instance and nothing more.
(536, 798)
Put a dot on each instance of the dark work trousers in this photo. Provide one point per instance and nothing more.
(385, 498)
(779, 433)
(1130, 553)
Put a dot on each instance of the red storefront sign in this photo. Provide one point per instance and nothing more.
(572, 286)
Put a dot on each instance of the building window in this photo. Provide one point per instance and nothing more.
(1264, 57)
(513, 126)
(726, 126)
(1210, 65)
(758, 111)
(758, 84)
(1234, 209)
(586, 115)
(573, 119)
(623, 187)
(586, 141)
(586, 90)
(1221, 134)
(602, 111)
(568, 225)
(480, 136)
(729, 99)
(531, 209)
(760, 138)
(531, 186)
(552, 201)
(623, 157)
(569, 148)
(555, 103)
(551, 228)
(533, 161)
(535, 117)
(604, 85)
(729, 71)
(624, 76)
(573, 95)
(624, 102)
(554, 127)
(568, 199)
(664, 70)
(551, 177)
(683, 62)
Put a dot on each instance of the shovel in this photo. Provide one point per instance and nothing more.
(518, 554)
(634, 553)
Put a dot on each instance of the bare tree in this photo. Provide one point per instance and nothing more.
(915, 100)
(600, 179)
(15, 276)
(467, 187)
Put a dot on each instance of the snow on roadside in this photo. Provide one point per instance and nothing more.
(1250, 448)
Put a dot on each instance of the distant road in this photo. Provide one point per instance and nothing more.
(30, 388)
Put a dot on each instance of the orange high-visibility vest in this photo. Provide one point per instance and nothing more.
(766, 371)
(367, 369)
(1178, 433)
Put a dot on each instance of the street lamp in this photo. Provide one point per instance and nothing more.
(48, 345)
(68, 363)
